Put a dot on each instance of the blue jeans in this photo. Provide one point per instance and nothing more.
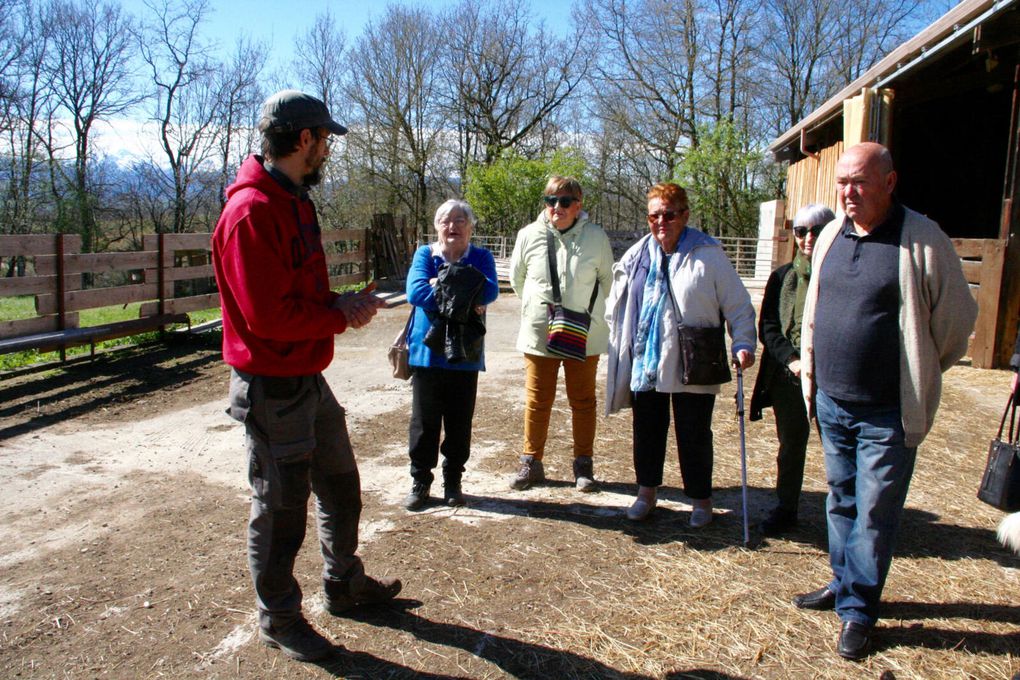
(868, 469)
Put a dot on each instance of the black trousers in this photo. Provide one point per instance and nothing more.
(793, 431)
(443, 400)
(692, 419)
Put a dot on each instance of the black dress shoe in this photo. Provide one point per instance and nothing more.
(854, 640)
(821, 600)
(779, 521)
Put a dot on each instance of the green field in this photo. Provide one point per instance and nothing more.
(23, 307)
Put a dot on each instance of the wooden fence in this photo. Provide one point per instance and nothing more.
(170, 276)
(983, 260)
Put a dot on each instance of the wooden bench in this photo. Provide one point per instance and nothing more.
(73, 337)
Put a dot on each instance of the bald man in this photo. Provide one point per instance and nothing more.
(887, 312)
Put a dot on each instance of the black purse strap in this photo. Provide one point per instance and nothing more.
(550, 251)
(669, 285)
(1010, 410)
(669, 289)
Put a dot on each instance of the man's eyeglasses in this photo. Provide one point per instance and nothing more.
(801, 232)
(666, 215)
(564, 201)
(325, 136)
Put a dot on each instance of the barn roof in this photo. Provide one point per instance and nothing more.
(955, 28)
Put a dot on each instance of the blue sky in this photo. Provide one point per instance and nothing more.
(278, 22)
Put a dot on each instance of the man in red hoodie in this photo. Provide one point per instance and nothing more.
(279, 319)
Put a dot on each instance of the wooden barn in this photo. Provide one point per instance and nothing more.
(947, 104)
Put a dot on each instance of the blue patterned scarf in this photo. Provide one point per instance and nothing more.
(647, 336)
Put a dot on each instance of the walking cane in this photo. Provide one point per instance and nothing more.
(743, 448)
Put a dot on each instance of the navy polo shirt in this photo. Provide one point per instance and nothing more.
(857, 329)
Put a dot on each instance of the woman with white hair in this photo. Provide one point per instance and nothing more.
(778, 382)
(449, 283)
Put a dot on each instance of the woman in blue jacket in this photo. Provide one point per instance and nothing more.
(449, 284)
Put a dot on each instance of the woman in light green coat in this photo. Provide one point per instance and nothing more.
(584, 261)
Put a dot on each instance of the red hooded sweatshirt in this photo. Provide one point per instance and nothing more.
(271, 273)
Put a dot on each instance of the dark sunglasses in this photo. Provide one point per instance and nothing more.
(801, 232)
(667, 215)
(564, 201)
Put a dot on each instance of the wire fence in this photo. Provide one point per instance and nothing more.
(744, 252)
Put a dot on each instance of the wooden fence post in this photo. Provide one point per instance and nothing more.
(61, 303)
(160, 272)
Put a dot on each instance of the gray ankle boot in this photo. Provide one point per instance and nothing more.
(530, 472)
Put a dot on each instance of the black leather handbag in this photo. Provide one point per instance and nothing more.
(703, 358)
(703, 351)
(1000, 485)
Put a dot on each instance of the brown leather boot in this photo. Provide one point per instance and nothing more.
(340, 596)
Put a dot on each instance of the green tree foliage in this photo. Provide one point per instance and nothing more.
(507, 194)
(726, 178)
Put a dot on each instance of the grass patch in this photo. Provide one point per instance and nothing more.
(23, 307)
(17, 307)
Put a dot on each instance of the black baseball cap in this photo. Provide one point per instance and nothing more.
(292, 110)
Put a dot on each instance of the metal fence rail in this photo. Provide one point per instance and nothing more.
(743, 252)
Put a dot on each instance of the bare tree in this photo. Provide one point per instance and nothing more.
(731, 32)
(795, 57)
(506, 75)
(319, 62)
(394, 85)
(13, 15)
(90, 70)
(646, 82)
(319, 65)
(144, 200)
(240, 96)
(23, 112)
(864, 31)
(187, 97)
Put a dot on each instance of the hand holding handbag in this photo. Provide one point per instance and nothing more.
(1000, 484)
(567, 336)
(398, 353)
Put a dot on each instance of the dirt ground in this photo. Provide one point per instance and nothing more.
(122, 544)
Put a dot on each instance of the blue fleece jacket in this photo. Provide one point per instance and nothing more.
(425, 266)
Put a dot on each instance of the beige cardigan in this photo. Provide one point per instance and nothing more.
(937, 314)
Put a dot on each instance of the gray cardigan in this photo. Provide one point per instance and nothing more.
(937, 314)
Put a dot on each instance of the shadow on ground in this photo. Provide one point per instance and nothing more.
(31, 402)
(922, 534)
(516, 658)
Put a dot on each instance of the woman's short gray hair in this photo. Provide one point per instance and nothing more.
(812, 214)
(443, 211)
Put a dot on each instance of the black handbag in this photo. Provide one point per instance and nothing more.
(1000, 485)
(703, 351)
(703, 358)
